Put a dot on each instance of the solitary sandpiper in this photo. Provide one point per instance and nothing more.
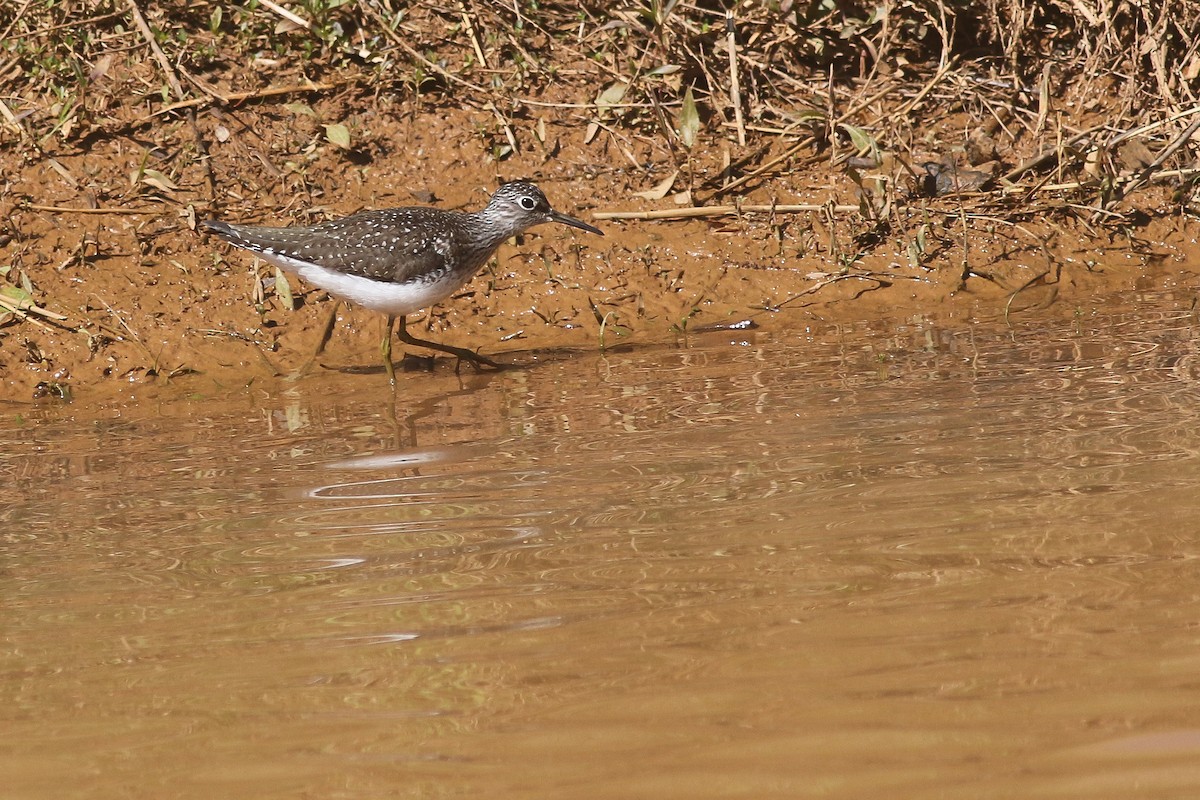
(400, 260)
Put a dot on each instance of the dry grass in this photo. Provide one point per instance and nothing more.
(1070, 100)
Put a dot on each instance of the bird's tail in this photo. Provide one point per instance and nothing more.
(222, 229)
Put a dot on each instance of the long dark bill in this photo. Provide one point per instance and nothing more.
(574, 223)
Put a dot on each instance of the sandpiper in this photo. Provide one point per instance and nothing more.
(400, 260)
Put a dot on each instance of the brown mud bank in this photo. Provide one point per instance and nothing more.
(783, 191)
(195, 307)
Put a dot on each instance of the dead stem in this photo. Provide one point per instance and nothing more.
(735, 89)
(237, 97)
(168, 71)
(693, 212)
(70, 210)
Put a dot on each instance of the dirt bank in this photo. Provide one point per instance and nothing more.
(917, 200)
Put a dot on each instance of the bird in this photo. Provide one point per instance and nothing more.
(400, 260)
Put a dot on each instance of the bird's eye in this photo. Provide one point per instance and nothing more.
(528, 203)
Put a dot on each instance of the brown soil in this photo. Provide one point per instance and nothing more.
(142, 297)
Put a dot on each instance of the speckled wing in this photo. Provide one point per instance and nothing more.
(393, 245)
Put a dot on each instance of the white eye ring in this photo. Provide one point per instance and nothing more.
(528, 203)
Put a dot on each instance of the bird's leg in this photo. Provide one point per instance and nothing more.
(327, 331)
(386, 348)
(461, 352)
(326, 335)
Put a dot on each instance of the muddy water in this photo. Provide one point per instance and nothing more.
(891, 561)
